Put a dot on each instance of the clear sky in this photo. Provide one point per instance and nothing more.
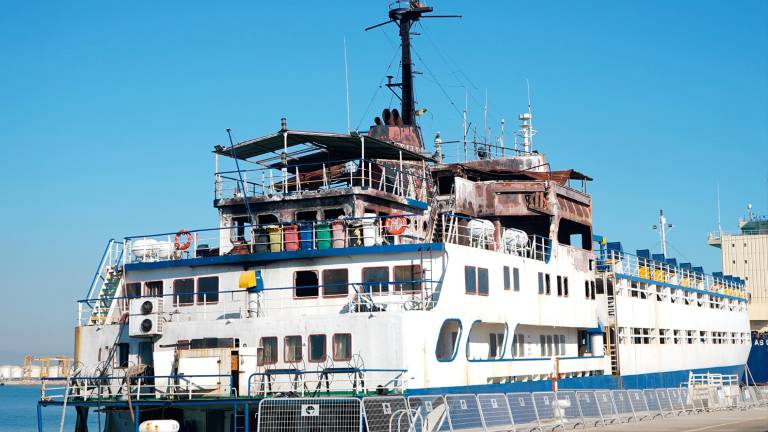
(109, 110)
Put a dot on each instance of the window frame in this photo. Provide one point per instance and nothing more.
(416, 283)
(333, 347)
(199, 299)
(516, 279)
(309, 348)
(487, 280)
(368, 284)
(468, 272)
(149, 291)
(325, 284)
(176, 295)
(305, 297)
(507, 278)
(261, 346)
(285, 349)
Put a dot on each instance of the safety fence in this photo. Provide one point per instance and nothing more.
(538, 411)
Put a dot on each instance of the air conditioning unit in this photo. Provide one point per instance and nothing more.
(145, 317)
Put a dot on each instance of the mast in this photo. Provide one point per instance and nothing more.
(405, 17)
(662, 227)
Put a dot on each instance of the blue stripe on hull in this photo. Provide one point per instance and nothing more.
(642, 381)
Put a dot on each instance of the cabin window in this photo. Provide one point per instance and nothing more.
(516, 279)
(547, 284)
(514, 345)
(565, 286)
(153, 288)
(562, 344)
(543, 345)
(208, 290)
(559, 286)
(292, 349)
(470, 280)
(305, 284)
(342, 347)
(264, 219)
(482, 281)
(521, 345)
(495, 345)
(557, 345)
(376, 280)
(408, 278)
(183, 292)
(122, 354)
(238, 229)
(586, 289)
(306, 216)
(549, 346)
(335, 282)
(267, 351)
(133, 290)
(448, 340)
(317, 351)
(333, 213)
(507, 279)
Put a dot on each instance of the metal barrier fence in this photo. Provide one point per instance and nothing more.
(493, 412)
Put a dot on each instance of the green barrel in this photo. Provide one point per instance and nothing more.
(323, 235)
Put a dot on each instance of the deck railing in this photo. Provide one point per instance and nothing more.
(275, 237)
(326, 381)
(624, 263)
(360, 297)
(136, 387)
(303, 178)
(481, 234)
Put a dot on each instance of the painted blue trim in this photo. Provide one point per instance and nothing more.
(458, 341)
(263, 257)
(39, 418)
(520, 359)
(673, 286)
(416, 203)
(642, 381)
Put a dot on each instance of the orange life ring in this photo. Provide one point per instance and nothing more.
(183, 246)
(396, 225)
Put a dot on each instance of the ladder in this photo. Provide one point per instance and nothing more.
(108, 279)
(427, 281)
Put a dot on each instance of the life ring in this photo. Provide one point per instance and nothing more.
(187, 243)
(396, 225)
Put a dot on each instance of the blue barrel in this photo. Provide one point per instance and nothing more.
(306, 239)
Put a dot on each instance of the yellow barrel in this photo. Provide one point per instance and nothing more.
(275, 234)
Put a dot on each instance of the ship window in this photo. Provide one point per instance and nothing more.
(133, 290)
(238, 234)
(335, 282)
(495, 345)
(592, 289)
(516, 278)
(317, 348)
(408, 278)
(559, 286)
(586, 289)
(306, 216)
(547, 284)
(521, 345)
(470, 280)
(549, 346)
(342, 347)
(265, 219)
(557, 345)
(543, 345)
(514, 345)
(376, 279)
(600, 288)
(183, 292)
(507, 281)
(122, 354)
(208, 290)
(153, 288)
(306, 284)
(333, 213)
(267, 352)
(482, 281)
(448, 340)
(565, 286)
(562, 344)
(292, 349)
(541, 283)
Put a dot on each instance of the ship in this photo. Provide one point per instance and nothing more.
(361, 264)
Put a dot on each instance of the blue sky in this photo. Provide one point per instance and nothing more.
(109, 110)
